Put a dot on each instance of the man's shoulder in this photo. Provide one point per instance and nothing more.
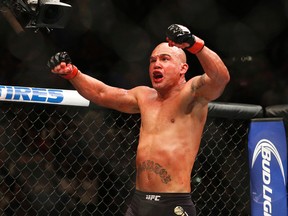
(143, 93)
(144, 89)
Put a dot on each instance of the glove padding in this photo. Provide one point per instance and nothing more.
(58, 58)
(180, 34)
(63, 57)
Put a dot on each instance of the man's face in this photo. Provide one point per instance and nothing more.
(166, 66)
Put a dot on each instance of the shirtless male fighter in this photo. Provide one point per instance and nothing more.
(173, 115)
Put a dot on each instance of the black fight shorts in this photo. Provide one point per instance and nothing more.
(161, 204)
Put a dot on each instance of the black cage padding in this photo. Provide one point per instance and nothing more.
(277, 111)
(234, 110)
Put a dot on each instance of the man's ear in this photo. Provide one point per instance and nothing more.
(184, 68)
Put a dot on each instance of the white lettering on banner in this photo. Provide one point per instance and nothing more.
(266, 158)
(267, 148)
(267, 207)
(31, 94)
(42, 95)
(267, 192)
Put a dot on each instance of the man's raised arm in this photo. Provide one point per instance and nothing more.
(92, 89)
(212, 83)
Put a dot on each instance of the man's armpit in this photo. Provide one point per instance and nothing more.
(198, 83)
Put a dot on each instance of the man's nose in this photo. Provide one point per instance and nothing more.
(157, 64)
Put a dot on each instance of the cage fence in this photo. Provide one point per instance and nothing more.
(57, 160)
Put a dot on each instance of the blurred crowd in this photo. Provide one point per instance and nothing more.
(112, 40)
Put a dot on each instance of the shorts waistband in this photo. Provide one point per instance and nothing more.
(155, 196)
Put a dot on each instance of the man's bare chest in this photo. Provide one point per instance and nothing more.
(161, 115)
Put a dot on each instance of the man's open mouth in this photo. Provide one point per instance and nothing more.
(157, 75)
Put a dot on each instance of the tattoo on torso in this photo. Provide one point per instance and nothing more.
(151, 166)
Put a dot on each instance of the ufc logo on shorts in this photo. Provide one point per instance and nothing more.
(153, 197)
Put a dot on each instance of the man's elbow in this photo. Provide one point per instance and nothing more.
(225, 76)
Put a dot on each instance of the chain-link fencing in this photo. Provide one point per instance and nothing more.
(57, 160)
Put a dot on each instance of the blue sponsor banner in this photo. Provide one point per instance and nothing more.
(267, 150)
(42, 95)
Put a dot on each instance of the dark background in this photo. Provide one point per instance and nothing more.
(112, 39)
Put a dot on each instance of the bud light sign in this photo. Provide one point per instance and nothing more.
(268, 167)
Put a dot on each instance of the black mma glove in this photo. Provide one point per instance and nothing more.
(58, 58)
(63, 57)
(180, 34)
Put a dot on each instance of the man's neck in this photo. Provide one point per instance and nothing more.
(163, 94)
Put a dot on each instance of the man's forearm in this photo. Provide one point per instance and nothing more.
(213, 66)
(87, 86)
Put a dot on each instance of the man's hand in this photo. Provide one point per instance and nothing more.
(180, 36)
(61, 65)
